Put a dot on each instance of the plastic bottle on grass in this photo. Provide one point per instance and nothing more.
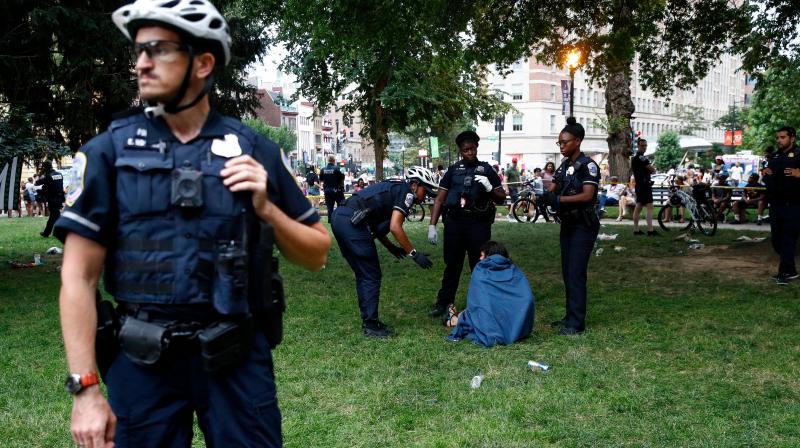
(476, 381)
(538, 366)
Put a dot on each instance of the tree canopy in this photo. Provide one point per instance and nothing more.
(399, 63)
(776, 103)
(67, 66)
(283, 136)
(674, 43)
(669, 152)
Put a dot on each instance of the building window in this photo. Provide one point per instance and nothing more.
(517, 123)
(552, 124)
(516, 92)
(553, 92)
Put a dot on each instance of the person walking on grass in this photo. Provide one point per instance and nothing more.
(179, 207)
(642, 169)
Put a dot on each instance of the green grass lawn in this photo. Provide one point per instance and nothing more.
(683, 348)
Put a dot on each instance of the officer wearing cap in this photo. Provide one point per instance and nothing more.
(52, 183)
(574, 194)
(371, 214)
(782, 178)
(332, 185)
(467, 196)
(179, 207)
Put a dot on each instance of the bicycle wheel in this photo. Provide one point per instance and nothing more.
(672, 214)
(521, 208)
(416, 213)
(707, 223)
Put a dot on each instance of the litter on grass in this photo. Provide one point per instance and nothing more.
(697, 246)
(747, 239)
(54, 250)
(476, 382)
(606, 237)
(538, 366)
(619, 249)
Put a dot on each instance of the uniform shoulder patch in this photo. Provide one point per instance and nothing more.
(409, 199)
(76, 186)
(593, 169)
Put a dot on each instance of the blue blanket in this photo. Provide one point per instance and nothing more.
(500, 304)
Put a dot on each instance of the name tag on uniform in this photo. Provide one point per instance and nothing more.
(229, 147)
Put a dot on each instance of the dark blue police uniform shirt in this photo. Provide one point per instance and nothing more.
(639, 164)
(782, 188)
(388, 196)
(92, 211)
(447, 180)
(570, 180)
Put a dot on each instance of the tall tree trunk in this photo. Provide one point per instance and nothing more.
(619, 109)
(379, 128)
(619, 106)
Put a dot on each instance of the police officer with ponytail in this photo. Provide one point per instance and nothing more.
(466, 200)
(574, 194)
(179, 207)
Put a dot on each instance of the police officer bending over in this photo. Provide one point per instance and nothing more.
(467, 196)
(52, 183)
(573, 194)
(332, 185)
(371, 214)
(178, 206)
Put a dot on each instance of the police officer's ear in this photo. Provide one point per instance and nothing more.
(204, 64)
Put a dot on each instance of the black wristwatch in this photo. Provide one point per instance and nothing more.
(412, 253)
(77, 383)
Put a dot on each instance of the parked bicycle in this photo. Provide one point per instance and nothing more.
(528, 209)
(416, 212)
(694, 210)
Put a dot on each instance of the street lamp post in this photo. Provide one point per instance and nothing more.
(337, 136)
(499, 126)
(573, 61)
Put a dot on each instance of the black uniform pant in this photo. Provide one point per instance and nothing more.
(358, 248)
(55, 212)
(333, 197)
(785, 227)
(462, 235)
(577, 242)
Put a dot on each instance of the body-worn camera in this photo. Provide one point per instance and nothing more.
(187, 187)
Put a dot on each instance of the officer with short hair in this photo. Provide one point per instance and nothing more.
(574, 194)
(782, 178)
(332, 185)
(52, 183)
(371, 214)
(467, 196)
(179, 206)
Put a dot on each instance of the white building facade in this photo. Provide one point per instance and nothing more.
(535, 92)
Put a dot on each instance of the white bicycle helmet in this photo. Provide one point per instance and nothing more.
(423, 175)
(198, 18)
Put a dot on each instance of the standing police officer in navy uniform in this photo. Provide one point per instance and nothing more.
(782, 178)
(332, 185)
(371, 214)
(467, 196)
(52, 183)
(175, 205)
(574, 194)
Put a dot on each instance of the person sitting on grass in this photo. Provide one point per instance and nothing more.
(500, 303)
